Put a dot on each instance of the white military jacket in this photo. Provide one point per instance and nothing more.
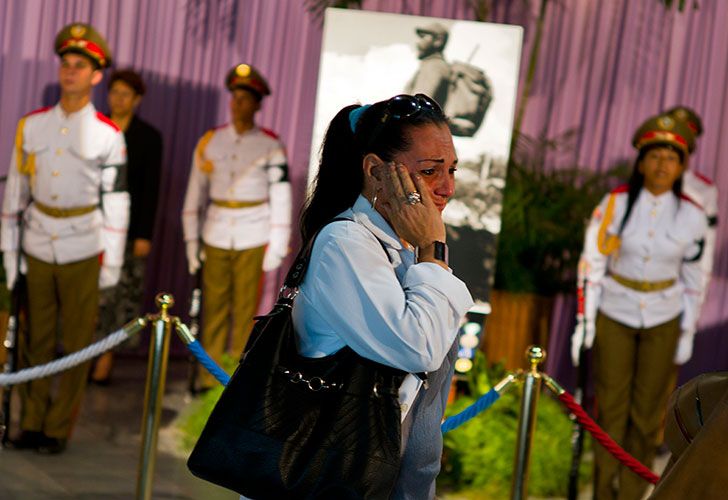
(66, 162)
(231, 168)
(705, 193)
(662, 240)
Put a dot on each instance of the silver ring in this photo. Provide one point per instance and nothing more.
(414, 198)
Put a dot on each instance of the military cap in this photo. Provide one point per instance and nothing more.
(436, 29)
(689, 116)
(244, 76)
(664, 129)
(83, 39)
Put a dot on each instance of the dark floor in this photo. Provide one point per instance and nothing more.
(102, 456)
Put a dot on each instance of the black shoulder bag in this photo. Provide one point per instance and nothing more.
(287, 426)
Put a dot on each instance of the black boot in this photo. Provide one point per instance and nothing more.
(28, 440)
(51, 445)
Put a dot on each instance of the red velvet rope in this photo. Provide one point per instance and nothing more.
(603, 438)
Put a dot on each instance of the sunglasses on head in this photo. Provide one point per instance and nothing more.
(404, 106)
(401, 107)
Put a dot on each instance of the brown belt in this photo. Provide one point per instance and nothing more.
(63, 213)
(237, 204)
(643, 286)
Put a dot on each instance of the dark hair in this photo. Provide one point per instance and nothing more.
(637, 179)
(340, 178)
(256, 95)
(131, 78)
(79, 52)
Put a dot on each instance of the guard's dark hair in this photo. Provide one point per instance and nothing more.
(637, 179)
(131, 78)
(340, 177)
(79, 52)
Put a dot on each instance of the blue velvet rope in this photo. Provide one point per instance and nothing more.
(206, 361)
(482, 404)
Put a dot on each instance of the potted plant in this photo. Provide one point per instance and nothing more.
(545, 211)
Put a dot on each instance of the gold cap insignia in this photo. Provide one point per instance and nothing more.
(665, 122)
(78, 30)
(242, 70)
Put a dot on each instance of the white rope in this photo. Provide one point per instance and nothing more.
(76, 358)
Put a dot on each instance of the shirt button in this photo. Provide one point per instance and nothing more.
(54, 237)
(64, 130)
(651, 233)
(642, 304)
(54, 197)
(59, 152)
(55, 173)
(235, 157)
(647, 258)
(403, 407)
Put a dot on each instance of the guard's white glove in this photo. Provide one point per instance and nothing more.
(195, 256)
(587, 337)
(10, 263)
(109, 276)
(684, 349)
(277, 249)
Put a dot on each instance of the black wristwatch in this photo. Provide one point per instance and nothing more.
(441, 252)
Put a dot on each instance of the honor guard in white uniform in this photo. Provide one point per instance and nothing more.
(701, 189)
(238, 205)
(642, 267)
(65, 214)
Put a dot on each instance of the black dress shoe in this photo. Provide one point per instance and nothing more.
(102, 382)
(28, 440)
(51, 445)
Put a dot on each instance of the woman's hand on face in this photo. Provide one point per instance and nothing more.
(420, 223)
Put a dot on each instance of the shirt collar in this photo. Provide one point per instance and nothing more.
(88, 108)
(367, 216)
(234, 134)
(665, 198)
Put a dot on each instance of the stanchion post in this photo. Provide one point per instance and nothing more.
(153, 393)
(527, 422)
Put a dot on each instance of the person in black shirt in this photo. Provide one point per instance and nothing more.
(144, 149)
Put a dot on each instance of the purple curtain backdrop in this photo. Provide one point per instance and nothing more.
(603, 67)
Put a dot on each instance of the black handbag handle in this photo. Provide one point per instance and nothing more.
(297, 272)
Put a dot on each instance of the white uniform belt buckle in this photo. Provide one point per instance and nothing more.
(643, 286)
(64, 213)
(238, 204)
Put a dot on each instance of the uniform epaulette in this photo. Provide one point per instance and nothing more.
(38, 111)
(620, 189)
(102, 117)
(269, 132)
(205, 165)
(703, 178)
(687, 198)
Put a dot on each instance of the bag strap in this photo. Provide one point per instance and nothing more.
(297, 272)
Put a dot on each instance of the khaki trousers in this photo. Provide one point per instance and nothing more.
(62, 306)
(632, 372)
(231, 283)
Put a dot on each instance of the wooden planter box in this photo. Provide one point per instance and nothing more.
(517, 320)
